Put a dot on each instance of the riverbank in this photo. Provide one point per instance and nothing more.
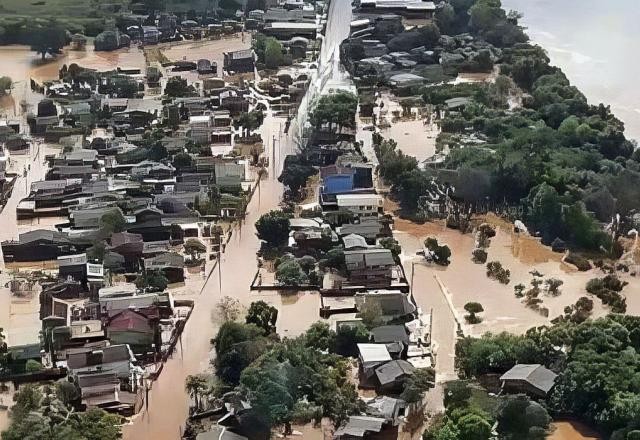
(591, 42)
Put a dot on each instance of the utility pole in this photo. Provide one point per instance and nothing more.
(413, 271)
(220, 267)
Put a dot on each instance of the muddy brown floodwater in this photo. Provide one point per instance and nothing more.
(572, 431)
(446, 290)
(168, 401)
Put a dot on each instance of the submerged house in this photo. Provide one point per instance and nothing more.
(116, 359)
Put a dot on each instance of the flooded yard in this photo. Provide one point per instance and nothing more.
(572, 431)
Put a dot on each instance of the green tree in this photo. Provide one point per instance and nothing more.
(194, 248)
(335, 110)
(290, 273)
(182, 161)
(273, 227)
(195, 386)
(429, 34)
(371, 314)
(113, 221)
(263, 316)
(421, 381)
(320, 336)
(273, 56)
(348, 337)
(249, 121)
(393, 245)
(152, 280)
(5, 84)
(33, 366)
(177, 87)
(473, 308)
(49, 38)
(474, 427)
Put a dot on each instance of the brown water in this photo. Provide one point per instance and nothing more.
(571, 431)
(168, 400)
(447, 290)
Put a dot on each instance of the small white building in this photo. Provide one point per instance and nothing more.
(361, 205)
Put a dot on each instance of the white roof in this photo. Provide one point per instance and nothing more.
(199, 119)
(373, 353)
(288, 25)
(350, 199)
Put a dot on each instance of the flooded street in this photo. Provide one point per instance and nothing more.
(169, 402)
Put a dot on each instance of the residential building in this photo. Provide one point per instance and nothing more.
(533, 379)
(360, 205)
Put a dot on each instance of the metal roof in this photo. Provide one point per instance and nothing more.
(535, 374)
(391, 371)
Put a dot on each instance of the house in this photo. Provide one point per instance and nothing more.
(129, 246)
(360, 205)
(286, 30)
(240, 61)
(370, 357)
(394, 303)
(150, 35)
(336, 179)
(40, 245)
(392, 375)
(135, 328)
(354, 242)
(532, 379)
(371, 268)
(360, 427)
(386, 407)
(111, 305)
(98, 389)
(229, 174)
(116, 359)
(408, 8)
(219, 433)
(404, 80)
(170, 264)
(369, 228)
(386, 334)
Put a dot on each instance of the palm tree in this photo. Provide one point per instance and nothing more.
(195, 386)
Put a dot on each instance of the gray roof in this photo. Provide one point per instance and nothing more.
(42, 234)
(368, 258)
(354, 241)
(535, 374)
(366, 228)
(389, 333)
(219, 433)
(392, 371)
(113, 353)
(358, 426)
(166, 260)
(385, 406)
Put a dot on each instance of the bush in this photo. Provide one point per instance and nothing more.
(33, 366)
(497, 272)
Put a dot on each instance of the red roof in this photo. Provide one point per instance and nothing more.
(130, 320)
